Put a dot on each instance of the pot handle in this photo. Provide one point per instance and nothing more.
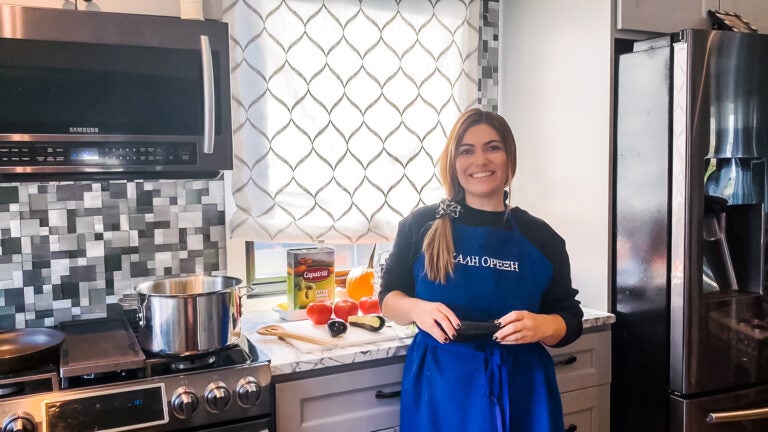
(248, 290)
(131, 301)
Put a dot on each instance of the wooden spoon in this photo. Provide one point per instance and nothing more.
(276, 330)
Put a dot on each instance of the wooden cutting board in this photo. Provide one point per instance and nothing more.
(353, 336)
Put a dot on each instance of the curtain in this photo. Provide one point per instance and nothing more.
(340, 111)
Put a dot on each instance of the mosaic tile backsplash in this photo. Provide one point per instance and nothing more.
(69, 249)
(488, 81)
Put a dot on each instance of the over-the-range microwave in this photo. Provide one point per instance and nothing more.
(90, 95)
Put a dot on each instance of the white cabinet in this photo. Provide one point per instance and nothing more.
(754, 11)
(663, 16)
(667, 16)
(587, 409)
(212, 9)
(361, 401)
(584, 377)
(56, 4)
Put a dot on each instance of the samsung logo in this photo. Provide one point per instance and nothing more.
(83, 130)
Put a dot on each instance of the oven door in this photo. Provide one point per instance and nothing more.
(737, 411)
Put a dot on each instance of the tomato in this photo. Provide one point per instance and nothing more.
(344, 308)
(369, 305)
(319, 312)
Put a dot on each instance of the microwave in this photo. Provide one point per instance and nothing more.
(94, 95)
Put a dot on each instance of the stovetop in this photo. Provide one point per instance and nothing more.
(104, 372)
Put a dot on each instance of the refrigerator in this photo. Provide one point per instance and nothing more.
(690, 342)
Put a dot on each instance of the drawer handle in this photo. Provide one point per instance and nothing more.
(571, 359)
(571, 428)
(737, 416)
(387, 395)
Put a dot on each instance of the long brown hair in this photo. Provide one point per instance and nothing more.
(438, 242)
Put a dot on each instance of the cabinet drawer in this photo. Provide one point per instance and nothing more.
(587, 410)
(340, 402)
(584, 363)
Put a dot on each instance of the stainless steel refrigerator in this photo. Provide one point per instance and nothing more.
(690, 343)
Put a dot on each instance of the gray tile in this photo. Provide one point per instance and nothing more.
(97, 296)
(38, 202)
(30, 227)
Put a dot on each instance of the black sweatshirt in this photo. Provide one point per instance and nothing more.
(560, 296)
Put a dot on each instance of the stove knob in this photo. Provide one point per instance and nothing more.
(248, 391)
(20, 422)
(184, 402)
(217, 396)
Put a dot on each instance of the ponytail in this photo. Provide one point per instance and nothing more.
(438, 250)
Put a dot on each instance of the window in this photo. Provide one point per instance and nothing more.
(340, 111)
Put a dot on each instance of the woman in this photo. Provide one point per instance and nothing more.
(472, 259)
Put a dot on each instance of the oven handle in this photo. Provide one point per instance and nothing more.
(209, 94)
(735, 416)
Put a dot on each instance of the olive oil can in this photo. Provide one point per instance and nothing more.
(310, 276)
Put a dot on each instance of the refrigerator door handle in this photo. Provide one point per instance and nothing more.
(739, 415)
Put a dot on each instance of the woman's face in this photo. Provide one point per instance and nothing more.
(481, 166)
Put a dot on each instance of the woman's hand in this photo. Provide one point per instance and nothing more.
(521, 327)
(436, 319)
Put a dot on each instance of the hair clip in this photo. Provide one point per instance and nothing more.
(447, 207)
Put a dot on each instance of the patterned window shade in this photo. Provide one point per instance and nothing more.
(341, 109)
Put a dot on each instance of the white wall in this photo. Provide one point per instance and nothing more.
(555, 92)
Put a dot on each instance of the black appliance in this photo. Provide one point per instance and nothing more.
(690, 342)
(104, 382)
(107, 95)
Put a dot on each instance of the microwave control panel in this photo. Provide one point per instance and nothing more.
(97, 154)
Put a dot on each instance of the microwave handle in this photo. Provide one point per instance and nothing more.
(208, 94)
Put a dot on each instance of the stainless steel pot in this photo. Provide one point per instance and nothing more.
(188, 315)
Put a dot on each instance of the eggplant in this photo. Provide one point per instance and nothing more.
(336, 327)
(475, 330)
(371, 322)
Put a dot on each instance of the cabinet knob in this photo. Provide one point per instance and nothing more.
(571, 359)
(387, 395)
(571, 428)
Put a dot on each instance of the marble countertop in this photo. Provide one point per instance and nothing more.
(286, 359)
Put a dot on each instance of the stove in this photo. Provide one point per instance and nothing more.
(105, 382)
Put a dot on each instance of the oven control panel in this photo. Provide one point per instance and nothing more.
(167, 403)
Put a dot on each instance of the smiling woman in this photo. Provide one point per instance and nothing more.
(482, 263)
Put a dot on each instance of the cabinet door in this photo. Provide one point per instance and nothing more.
(584, 363)
(587, 410)
(663, 16)
(754, 11)
(345, 401)
(55, 4)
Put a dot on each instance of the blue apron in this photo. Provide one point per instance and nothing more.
(482, 385)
